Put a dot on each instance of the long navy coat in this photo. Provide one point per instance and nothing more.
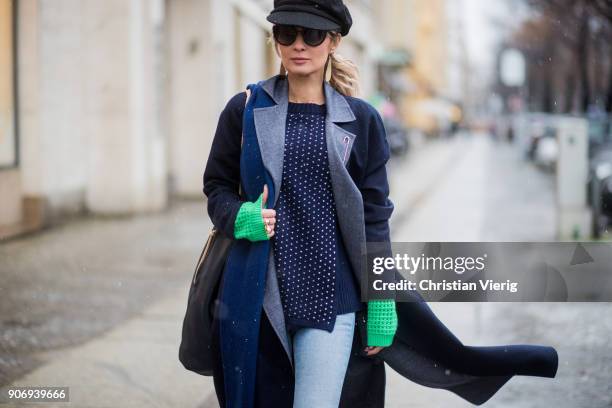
(424, 350)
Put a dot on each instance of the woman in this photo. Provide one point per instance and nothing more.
(311, 167)
(318, 288)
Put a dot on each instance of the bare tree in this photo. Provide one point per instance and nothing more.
(567, 44)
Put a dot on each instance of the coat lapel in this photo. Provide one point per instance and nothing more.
(347, 197)
(270, 128)
(339, 141)
(270, 125)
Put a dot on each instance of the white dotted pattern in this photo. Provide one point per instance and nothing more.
(305, 233)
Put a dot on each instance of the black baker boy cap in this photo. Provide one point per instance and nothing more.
(330, 15)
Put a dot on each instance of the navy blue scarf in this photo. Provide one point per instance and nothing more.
(244, 278)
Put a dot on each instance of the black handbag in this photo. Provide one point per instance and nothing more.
(195, 351)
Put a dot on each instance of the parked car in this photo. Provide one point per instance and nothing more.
(546, 147)
(526, 129)
(599, 134)
(536, 129)
(599, 185)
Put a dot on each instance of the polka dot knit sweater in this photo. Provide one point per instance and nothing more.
(315, 279)
(315, 285)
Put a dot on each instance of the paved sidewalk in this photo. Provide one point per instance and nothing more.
(97, 305)
(485, 191)
(412, 178)
(133, 365)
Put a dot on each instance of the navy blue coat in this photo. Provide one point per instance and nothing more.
(423, 350)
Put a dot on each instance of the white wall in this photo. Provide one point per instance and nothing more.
(194, 92)
(51, 102)
(89, 94)
(127, 162)
(253, 51)
(206, 70)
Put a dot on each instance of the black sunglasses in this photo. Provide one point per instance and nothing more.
(287, 34)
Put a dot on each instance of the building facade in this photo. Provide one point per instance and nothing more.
(109, 107)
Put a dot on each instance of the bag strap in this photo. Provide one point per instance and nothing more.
(248, 94)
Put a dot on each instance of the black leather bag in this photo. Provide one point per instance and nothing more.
(196, 351)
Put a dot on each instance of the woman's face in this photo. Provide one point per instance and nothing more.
(300, 58)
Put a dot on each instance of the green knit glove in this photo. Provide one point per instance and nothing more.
(249, 223)
(382, 322)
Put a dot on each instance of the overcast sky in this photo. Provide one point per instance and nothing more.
(483, 21)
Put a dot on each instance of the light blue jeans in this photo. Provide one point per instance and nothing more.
(321, 359)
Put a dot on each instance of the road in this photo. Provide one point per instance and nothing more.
(487, 192)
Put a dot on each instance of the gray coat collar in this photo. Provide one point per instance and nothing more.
(338, 109)
(270, 127)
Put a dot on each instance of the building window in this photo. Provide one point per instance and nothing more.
(8, 124)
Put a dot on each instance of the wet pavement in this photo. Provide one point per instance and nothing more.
(97, 304)
(89, 280)
(492, 194)
(481, 191)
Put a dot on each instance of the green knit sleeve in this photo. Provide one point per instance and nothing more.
(382, 322)
(249, 223)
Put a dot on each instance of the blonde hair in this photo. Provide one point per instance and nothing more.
(344, 73)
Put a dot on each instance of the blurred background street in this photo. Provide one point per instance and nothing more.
(499, 129)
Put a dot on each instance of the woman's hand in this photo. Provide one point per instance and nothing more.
(371, 350)
(268, 215)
